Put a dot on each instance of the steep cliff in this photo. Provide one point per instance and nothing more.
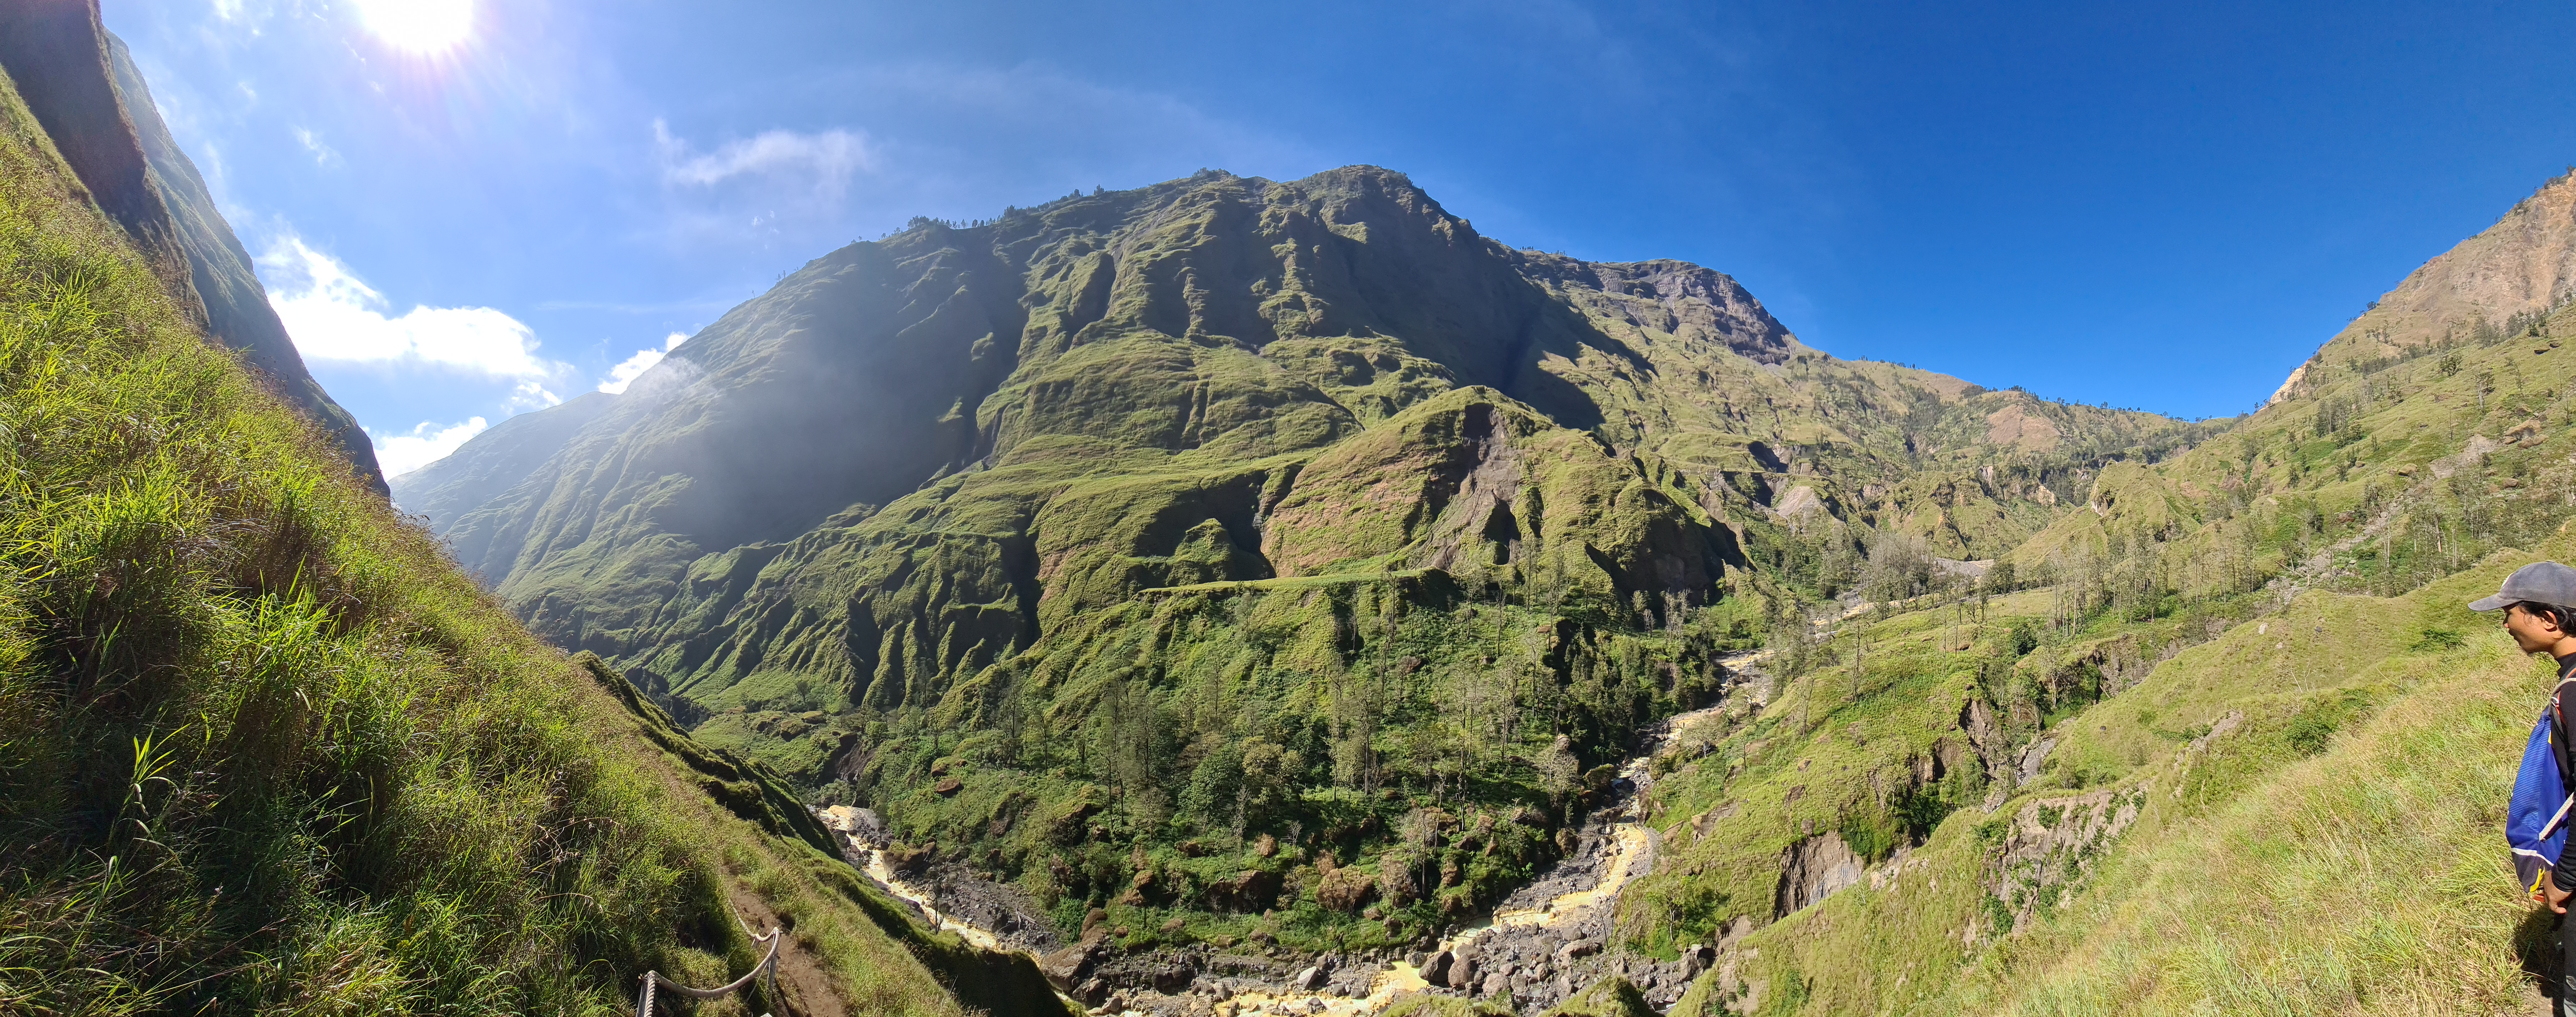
(81, 86)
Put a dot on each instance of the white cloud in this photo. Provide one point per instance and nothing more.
(399, 454)
(748, 187)
(333, 316)
(828, 158)
(624, 374)
(530, 396)
(323, 154)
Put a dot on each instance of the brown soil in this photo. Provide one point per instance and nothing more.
(801, 978)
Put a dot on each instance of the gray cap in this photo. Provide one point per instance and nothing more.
(2547, 582)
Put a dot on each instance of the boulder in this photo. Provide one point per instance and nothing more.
(1249, 890)
(1462, 970)
(1069, 967)
(1435, 969)
(910, 861)
(1345, 890)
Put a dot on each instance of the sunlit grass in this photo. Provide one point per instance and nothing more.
(264, 749)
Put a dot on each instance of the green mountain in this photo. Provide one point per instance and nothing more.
(1226, 509)
(264, 749)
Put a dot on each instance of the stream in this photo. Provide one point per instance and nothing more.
(1545, 942)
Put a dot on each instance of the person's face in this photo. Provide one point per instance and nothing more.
(2534, 633)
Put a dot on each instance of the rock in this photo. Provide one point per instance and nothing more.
(1308, 980)
(1172, 978)
(1068, 967)
(910, 861)
(1265, 847)
(1344, 890)
(1175, 925)
(1250, 890)
(1813, 869)
(949, 786)
(1435, 968)
(1092, 992)
(1696, 958)
(1577, 948)
(1395, 883)
(1495, 984)
(1462, 971)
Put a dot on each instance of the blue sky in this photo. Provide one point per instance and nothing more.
(470, 208)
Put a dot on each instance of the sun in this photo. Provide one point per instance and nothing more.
(422, 26)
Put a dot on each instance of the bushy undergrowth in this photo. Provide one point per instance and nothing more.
(1214, 757)
(261, 749)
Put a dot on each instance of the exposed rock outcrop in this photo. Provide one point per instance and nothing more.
(1814, 869)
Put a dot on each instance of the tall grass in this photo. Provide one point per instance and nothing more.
(261, 748)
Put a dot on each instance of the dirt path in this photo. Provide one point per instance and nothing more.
(801, 979)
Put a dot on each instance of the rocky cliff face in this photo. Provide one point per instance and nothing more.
(82, 87)
(2496, 286)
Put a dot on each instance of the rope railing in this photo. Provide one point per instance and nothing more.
(768, 965)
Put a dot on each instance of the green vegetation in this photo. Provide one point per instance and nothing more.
(2243, 745)
(1227, 513)
(262, 748)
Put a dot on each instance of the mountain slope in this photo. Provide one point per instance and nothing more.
(262, 748)
(81, 85)
(1191, 515)
(2237, 702)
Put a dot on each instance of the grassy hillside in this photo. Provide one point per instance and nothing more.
(263, 748)
(2225, 741)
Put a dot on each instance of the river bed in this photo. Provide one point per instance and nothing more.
(1545, 942)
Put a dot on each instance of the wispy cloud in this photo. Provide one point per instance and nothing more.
(748, 186)
(662, 307)
(624, 373)
(323, 154)
(825, 160)
(400, 453)
(334, 316)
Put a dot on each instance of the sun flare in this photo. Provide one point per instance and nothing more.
(423, 26)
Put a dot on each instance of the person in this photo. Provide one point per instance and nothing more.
(2539, 605)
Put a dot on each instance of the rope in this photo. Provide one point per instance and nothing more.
(768, 965)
